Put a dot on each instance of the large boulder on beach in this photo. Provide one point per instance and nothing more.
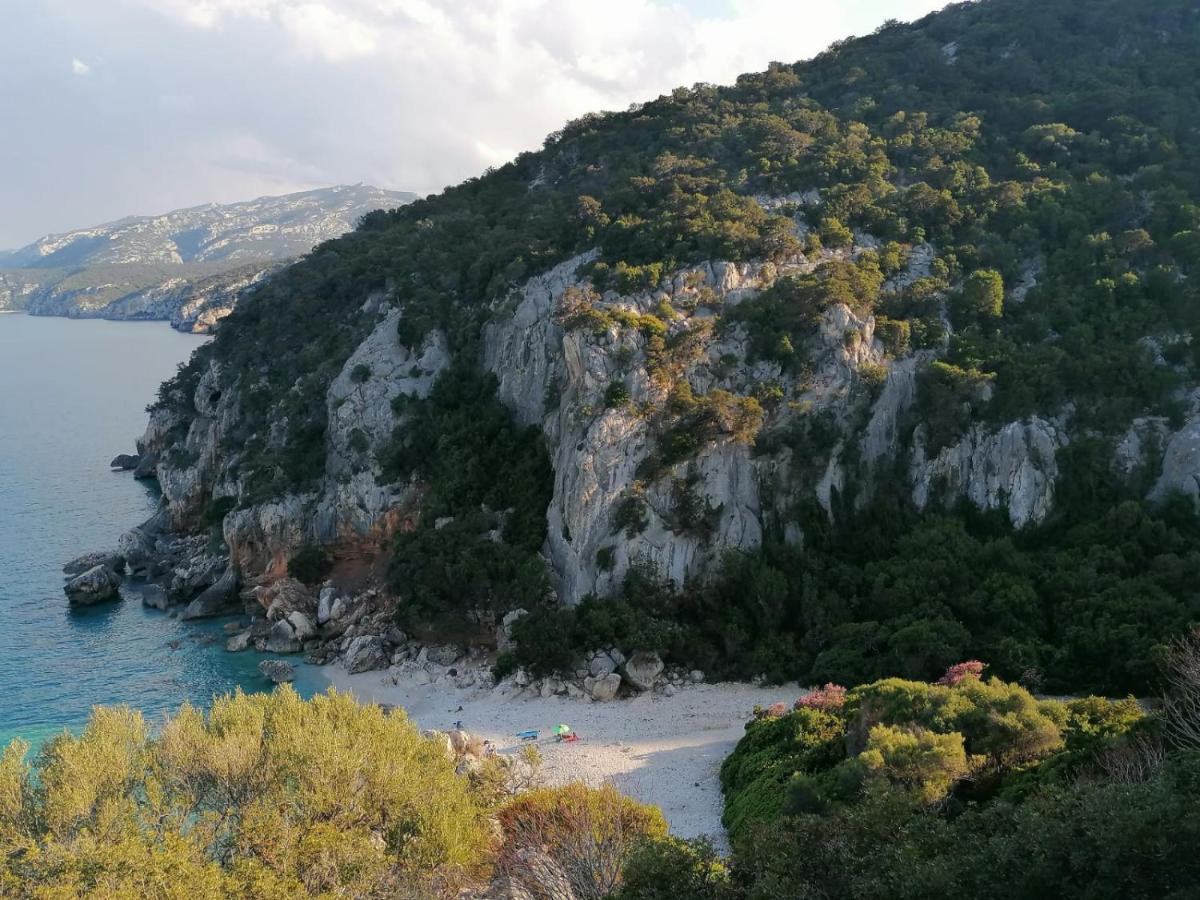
(366, 653)
(603, 688)
(81, 564)
(642, 669)
(125, 462)
(217, 599)
(96, 585)
(277, 670)
(601, 664)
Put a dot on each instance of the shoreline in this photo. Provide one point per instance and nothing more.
(658, 749)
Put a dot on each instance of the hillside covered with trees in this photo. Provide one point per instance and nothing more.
(1001, 202)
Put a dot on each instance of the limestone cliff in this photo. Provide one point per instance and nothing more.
(557, 377)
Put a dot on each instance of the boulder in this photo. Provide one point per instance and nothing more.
(302, 625)
(81, 564)
(395, 636)
(217, 599)
(696, 676)
(601, 664)
(603, 688)
(155, 597)
(285, 596)
(325, 604)
(277, 670)
(136, 547)
(642, 669)
(125, 462)
(96, 585)
(239, 642)
(282, 638)
(366, 653)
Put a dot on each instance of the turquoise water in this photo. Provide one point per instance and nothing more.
(72, 396)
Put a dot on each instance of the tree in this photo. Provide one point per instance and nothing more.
(983, 295)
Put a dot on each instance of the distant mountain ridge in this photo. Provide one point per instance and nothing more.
(271, 227)
(187, 266)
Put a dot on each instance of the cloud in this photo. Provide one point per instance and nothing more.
(217, 100)
(79, 67)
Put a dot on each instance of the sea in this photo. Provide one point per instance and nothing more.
(72, 396)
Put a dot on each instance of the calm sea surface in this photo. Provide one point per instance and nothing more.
(72, 396)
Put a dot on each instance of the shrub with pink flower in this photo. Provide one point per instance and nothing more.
(774, 711)
(832, 696)
(972, 668)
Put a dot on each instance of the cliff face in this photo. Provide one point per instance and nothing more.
(556, 377)
(885, 274)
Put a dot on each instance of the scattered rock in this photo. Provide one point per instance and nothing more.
(302, 625)
(96, 585)
(239, 642)
(642, 670)
(215, 600)
(696, 676)
(325, 604)
(277, 670)
(366, 653)
(81, 564)
(603, 688)
(601, 664)
(282, 638)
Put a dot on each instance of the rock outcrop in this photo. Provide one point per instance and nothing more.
(96, 585)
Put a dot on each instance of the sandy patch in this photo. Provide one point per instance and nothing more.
(662, 750)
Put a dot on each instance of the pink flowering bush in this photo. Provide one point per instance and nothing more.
(832, 696)
(972, 668)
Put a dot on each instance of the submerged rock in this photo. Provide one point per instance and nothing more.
(96, 585)
(155, 597)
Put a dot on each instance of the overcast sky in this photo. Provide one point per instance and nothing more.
(122, 107)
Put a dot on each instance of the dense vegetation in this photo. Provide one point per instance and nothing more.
(271, 796)
(1030, 183)
(967, 787)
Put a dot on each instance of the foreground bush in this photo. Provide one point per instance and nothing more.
(573, 841)
(265, 796)
(962, 737)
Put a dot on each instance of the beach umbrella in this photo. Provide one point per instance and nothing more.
(562, 729)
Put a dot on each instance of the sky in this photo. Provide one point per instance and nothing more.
(134, 107)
